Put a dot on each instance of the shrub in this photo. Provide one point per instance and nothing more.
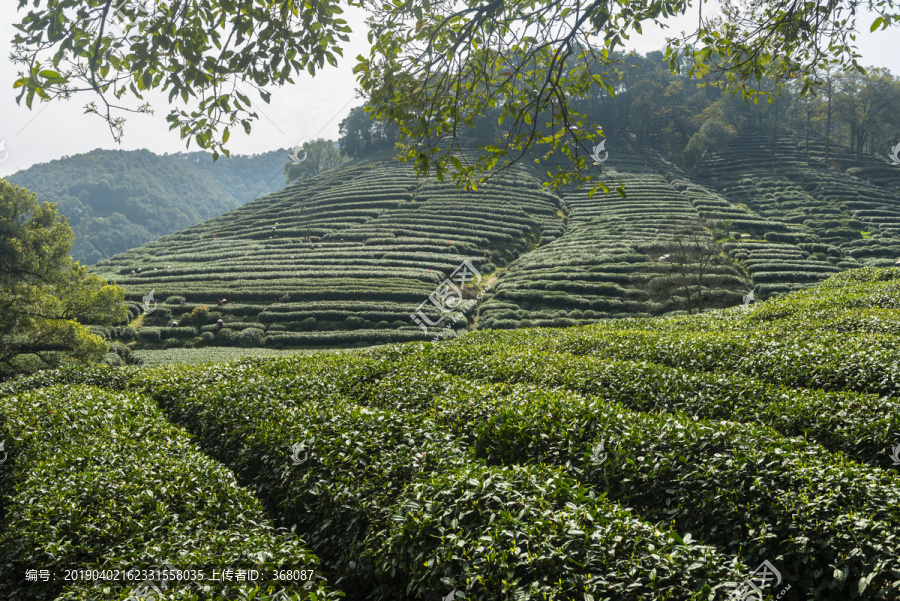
(200, 315)
(161, 498)
(252, 337)
(149, 334)
(822, 417)
(177, 332)
(161, 314)
(227, 337)
(720, 478)
(353, 322)
(112, 359)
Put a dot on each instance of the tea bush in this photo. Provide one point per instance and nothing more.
(343, 501)
(129, 491)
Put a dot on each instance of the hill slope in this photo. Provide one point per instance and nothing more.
(116, 200)
(851, 210)
(634, 459)
(349, 256)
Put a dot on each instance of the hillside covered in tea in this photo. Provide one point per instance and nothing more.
(346, 257)
(647, 458)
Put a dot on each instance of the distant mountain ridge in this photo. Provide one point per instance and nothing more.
(119, 199)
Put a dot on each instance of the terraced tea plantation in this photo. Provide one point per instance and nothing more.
(346, 258)
(843, 218)
(605, 262)
(685, 457)
(343, 258)
(613, 258)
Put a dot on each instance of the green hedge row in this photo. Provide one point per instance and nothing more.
(863, 426)
(373, 314)
(325, 338)
(103, 376)
(155, 334)
(829, 361)
(829, 522)
(261, 292)
(97, 479)
(369, 477)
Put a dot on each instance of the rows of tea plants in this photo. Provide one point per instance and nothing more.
(644, 458)
(712, 206)
(751, 151)
(210, 354)
(343, 258)
(706, 480)
(779, 267)
(873, 203)
(780, 198)
(860, 425)
(395, 504)
(853, 213)
(604, 265)
(95, 482)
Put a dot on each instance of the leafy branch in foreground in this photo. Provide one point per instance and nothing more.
(433, 70)
(210, 53)
(779, 41)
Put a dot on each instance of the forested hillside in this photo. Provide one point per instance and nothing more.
(116, 200)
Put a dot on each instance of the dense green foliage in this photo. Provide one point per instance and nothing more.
(660, 458)
(362, 135)
(46, 297)
(116, 200)
(130, 492)
(312, 158)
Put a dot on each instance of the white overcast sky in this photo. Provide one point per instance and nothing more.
(312, 108)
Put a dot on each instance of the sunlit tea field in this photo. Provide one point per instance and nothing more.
(749, 451)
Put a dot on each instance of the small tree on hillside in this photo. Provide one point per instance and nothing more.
(45, 295)
(362, 134)
(695, 265)
(320, 155)
(713, 136)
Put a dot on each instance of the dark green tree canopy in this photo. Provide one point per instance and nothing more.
(115, 199)
(45, 296)
(314, 157)
(361, 134)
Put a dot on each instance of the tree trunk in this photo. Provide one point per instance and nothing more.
(828, 123)
(808, 119)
